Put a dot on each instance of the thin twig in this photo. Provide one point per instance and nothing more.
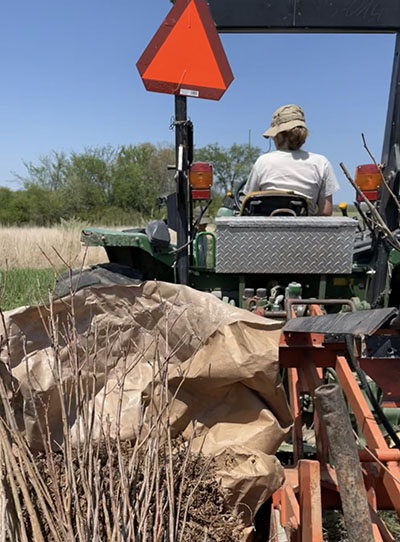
(371, 453)
(380, 222)
(379, 166)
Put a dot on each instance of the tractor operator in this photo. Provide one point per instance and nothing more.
(289, 167)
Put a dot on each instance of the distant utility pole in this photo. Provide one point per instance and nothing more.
(249, 138)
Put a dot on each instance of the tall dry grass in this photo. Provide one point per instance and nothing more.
(25, 247)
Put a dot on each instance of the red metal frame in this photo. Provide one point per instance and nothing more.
(311, 485)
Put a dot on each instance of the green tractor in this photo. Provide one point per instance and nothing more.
(265, 248)
(256, 254)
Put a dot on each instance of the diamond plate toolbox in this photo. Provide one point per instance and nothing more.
(307, 245)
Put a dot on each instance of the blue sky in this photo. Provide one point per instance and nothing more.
(69, 81)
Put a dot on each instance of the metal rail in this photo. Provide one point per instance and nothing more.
(306, 15)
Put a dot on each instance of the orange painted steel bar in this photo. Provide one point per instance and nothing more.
(310, 501)
(290, 514)
(382, 455)
(370, 429)
(379, 528)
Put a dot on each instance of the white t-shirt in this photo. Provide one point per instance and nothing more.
(304, 172)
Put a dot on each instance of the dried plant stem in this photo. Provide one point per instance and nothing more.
(33, 517)
(88, 484)
(379, 220)
(18, 528)
(384, 180)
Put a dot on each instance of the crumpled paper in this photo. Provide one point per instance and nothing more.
(221, 366)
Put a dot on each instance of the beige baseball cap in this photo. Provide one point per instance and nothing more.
(285, 118)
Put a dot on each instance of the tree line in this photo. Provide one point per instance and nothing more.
(111, 186)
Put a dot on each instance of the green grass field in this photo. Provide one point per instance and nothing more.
(25, 287)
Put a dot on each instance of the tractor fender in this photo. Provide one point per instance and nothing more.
(99, 274)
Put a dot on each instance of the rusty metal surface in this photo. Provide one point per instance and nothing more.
(357, 323)
(306, 15)
(332, 409)
(385, 372)
(316, 303)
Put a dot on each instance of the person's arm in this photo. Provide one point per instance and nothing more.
(328, 188)
(253, 181)
(325, 206)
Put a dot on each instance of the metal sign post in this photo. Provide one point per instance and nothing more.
(182, 166)
(185, 58)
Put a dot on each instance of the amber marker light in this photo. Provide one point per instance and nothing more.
(368, 177)
(200, 175)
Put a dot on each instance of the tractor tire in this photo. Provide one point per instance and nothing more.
(100, 274)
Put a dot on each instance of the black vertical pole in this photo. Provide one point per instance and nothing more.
(390, 152)
(386, 206)
(181, 144)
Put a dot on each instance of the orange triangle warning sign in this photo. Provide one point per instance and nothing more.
(186, 57)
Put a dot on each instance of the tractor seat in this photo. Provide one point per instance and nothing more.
(275, 203)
